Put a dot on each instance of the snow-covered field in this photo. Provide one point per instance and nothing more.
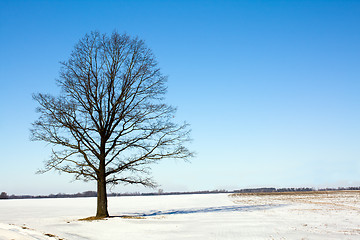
(212, 216)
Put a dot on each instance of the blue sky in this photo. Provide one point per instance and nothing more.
(270, 88)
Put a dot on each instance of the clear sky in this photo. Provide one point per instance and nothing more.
(270, 88)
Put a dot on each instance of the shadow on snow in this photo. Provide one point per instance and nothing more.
(234, 208)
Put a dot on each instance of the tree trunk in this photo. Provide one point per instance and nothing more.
(101, 197)
(102, 210)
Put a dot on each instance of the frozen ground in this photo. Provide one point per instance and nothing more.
(213, 216)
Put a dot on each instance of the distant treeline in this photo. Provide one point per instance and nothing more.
(260, 190)
(59, 195)
(4, 195)
(94, 194)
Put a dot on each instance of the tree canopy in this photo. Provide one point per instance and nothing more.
(110, 122)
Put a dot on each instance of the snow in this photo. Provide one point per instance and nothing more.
(208, 216)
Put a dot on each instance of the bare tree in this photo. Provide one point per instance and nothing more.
(109, 123)
(4, 195)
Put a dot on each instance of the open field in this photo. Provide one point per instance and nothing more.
(308, 215)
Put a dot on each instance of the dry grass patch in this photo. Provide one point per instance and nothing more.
(93, 218)
(332, 200)
(106, 218)
(53, 236)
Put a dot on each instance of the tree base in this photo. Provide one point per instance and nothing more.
(92, 218)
